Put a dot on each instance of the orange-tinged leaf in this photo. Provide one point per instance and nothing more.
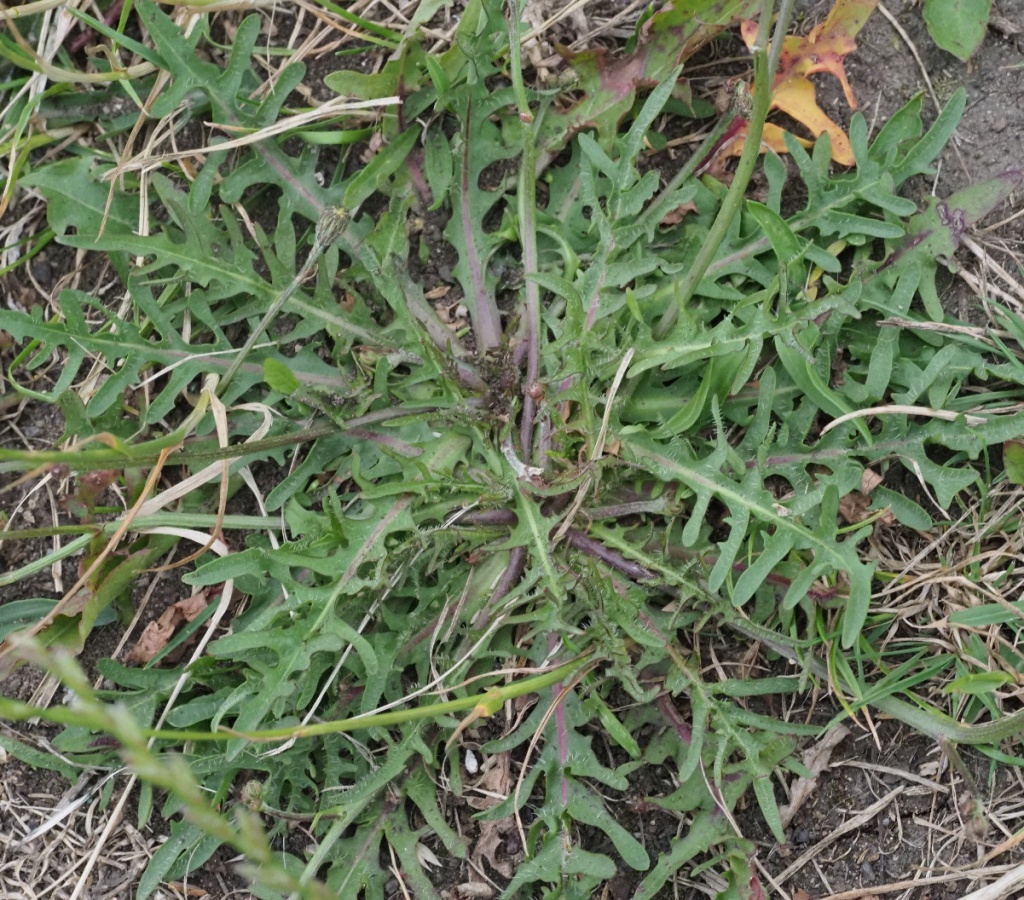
(772, 138)
(675, 216)
(796, 99)
(824, 49)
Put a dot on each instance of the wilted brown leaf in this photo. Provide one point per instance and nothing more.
(494, 784)
(156, 635)
(816, 758)
(438, 293)
(870, 480)
(89, 488)
(853, 508)
(675, 216)
(474, 890)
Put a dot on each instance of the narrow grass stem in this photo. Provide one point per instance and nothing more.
(527, 202)
(763, 75)
(162, 770)
(957, 762)
(655, 210)
(391, 38)
(328, 228)
(485, 703)
(164, 520)
(121, 454)
(924, 718)
(483, 308)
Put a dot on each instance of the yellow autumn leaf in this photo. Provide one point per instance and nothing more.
(823, 49)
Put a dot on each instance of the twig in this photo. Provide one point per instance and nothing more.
(913, 50)
(862, 818)
(986, 258)
(598, 451)
(866, 893)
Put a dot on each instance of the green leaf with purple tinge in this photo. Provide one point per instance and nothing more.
(939, 231)
(231, 91)
(481, 144)
(609, 85)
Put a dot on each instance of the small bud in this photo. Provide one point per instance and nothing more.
(332, 220)
(743, 100)
(252, 795)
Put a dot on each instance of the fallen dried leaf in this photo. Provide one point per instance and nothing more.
(156, 635)
(427, 858)
(493, 786)
(822, 50)
(88, 491)
(870, 480)
(191, 607)
(854, 507)
(474, 890)
(816, 758)
(675, 216)
(1006, 27)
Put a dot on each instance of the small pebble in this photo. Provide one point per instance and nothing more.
(42, 272)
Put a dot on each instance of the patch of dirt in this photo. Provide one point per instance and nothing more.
(35, 504)
(990, 138)
(888, 809)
